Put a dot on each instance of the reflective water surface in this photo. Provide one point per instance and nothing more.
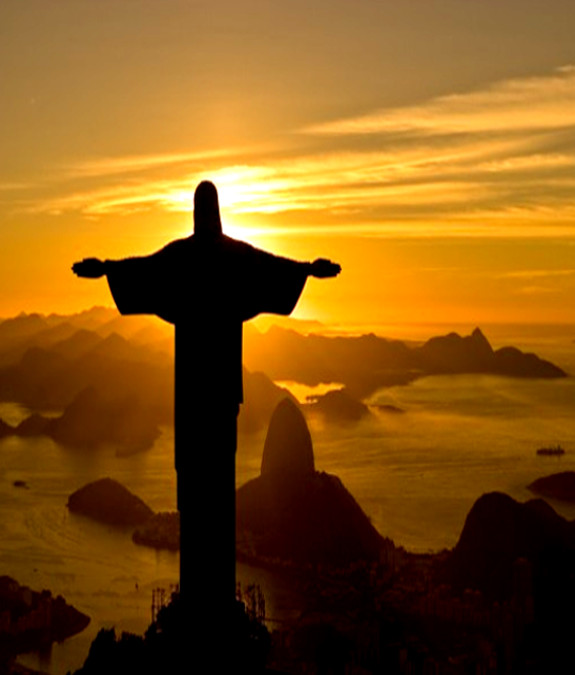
(416, 474)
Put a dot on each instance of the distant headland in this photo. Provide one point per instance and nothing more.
(107, 381)
(33, 619)
(366, 363)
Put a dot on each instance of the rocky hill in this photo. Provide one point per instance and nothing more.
(498, 530)
(293, 512)
(338, 407)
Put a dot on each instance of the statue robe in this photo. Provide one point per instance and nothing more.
(207, 288)
(199, 285)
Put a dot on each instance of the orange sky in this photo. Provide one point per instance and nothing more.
(426, 146)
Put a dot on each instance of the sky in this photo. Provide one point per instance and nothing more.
(425, 145)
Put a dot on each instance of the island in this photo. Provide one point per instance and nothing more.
(108, 501)
(556, 486)
(111, 503)
(338, 407)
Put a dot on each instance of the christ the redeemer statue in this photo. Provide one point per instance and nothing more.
(207, 284)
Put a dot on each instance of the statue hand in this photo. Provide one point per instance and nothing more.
(89, 268)
(322, 268)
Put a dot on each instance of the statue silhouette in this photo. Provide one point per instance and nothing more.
(207, 285)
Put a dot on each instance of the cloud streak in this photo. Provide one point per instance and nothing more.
(493, 162)
(527, 104)
(110, 166)
(538, 274)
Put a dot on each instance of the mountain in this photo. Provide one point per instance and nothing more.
(288, 449)
(499, 530)
(92, 419)
(455, 354)
(21, 326)
(511, 361)
(362, 363)
(473, 354)
(366, 363)
(50, 361)
(78, 343)
(47, 361)
(522, 557)
(293, 512)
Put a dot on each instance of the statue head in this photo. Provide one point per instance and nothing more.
(207, 222)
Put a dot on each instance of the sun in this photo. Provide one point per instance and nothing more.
(242, 190)
(249, 189)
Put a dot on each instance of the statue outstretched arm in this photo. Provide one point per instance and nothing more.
(139, 285)
(323, 268)
(94, 268)
(90, 268)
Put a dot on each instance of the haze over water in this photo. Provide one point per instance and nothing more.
(416, 475)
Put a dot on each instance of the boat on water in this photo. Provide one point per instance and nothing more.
(553, 450)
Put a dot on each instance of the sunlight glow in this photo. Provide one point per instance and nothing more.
(495, 161)
(242, 189)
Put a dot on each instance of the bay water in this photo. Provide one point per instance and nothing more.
(415, 473)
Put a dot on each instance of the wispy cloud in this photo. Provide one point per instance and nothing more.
(537, 282)
(536, 290)
(536, 103)
(9, 187)
(538, 274)
(110, 166)
(499, 161)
